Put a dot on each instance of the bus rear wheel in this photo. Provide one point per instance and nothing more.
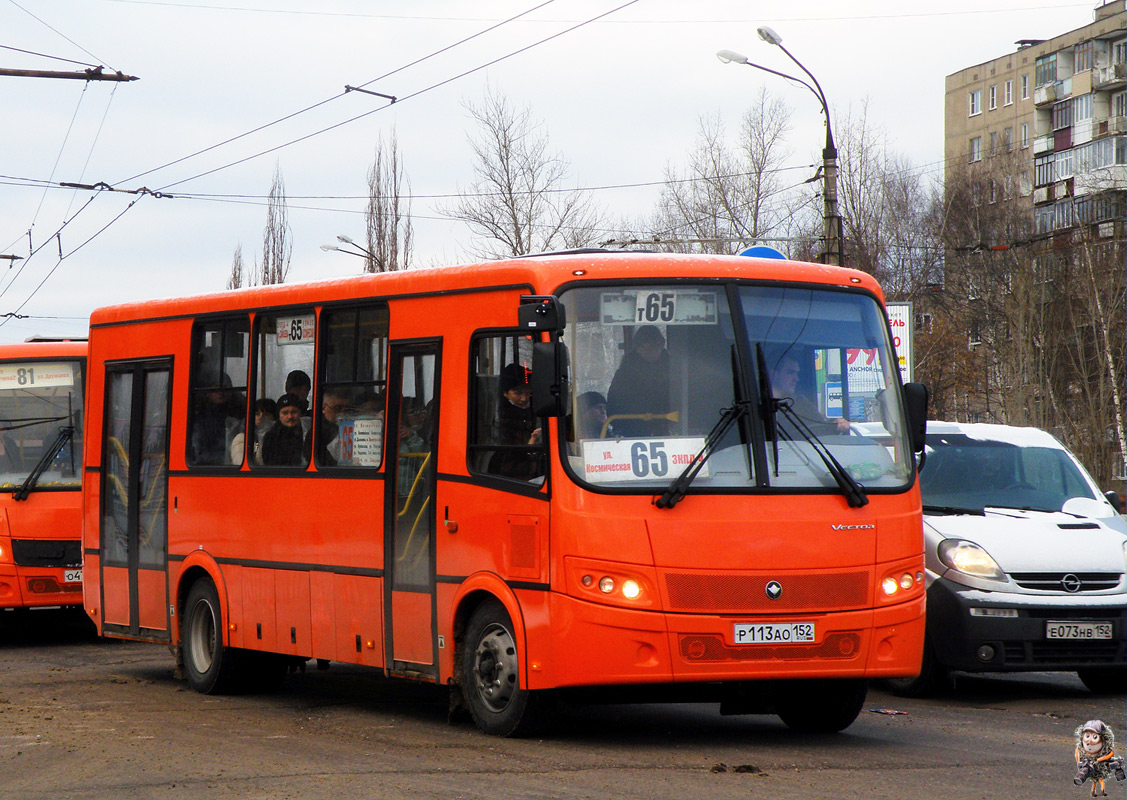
(208, 662)
(821, 706)
(491, 675)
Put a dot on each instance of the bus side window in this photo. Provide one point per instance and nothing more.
(283, 367)
(218, 391)
(505, 438)
(352, 388)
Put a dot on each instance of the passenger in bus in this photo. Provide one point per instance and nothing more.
(638, 398)
(334, 403)
(265, 415)
(284, 443)
(591, 420)
(217, 420)
(413, 446)
(9, 454)
(784, 384)
(298, 383)
(516, 428)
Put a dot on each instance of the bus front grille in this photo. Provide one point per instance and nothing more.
(710, 647)
(46, 553)
(747, 594)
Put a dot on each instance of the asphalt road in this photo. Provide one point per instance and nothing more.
(86, 718)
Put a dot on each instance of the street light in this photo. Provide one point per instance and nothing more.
(364, 253)
(831, 221)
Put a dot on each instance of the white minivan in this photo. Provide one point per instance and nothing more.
(1026, 560)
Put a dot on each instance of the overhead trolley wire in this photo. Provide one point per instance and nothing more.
(401, 100)
(334, 97)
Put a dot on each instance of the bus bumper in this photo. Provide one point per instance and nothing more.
(613, 645)
(29, 588)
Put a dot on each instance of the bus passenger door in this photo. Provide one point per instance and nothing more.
(134, 518)
(409, 580)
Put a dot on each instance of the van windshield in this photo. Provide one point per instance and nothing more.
(1006, 475)
(653, 368)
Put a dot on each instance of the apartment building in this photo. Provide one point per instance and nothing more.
(1059, 106)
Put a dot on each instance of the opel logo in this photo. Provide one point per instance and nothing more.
(774, 590)
(1071, 583)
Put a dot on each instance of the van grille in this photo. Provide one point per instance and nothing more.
(746, 594)
(1076, 581)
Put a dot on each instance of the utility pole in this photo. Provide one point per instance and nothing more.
(93, 74)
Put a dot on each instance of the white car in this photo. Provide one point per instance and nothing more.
(1026, 560)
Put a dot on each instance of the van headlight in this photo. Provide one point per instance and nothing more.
(969, 559)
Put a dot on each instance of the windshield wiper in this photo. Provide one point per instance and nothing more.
(676, 491)
(953, 510)
(65, 434)
(767, 404)
(853, 491)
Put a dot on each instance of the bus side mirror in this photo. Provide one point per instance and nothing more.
(548, 381)
(915, 403)
(541, 312)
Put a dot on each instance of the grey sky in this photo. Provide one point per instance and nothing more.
(620, 98)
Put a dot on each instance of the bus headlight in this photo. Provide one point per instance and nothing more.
(607, 582)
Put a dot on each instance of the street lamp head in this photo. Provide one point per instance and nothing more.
(731, 57)
(346, 239)
(769, 36)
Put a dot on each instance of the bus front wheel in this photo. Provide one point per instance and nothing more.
(207, 661)
(491, 675)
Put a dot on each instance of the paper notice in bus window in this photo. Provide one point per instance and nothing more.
(39, 374)
(296, 330)
(367, 442)
(620, 460)
(658, 307)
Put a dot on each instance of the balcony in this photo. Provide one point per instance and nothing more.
(1045, 94)
(1043, 144)
(1112, 76)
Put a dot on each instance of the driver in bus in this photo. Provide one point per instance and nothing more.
(640, 387)
(784, 384)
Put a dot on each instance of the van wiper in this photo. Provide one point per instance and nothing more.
(853, 491)
(65, 434)
(676, 491)
(953, 510)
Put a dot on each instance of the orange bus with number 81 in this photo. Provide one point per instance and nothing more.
(551, 475)
(41, 408)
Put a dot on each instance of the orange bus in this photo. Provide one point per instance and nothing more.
(524, 479)
(41, 409)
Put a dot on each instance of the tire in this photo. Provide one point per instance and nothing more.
(208, 663)
(933, 678)
(821, 706)
(1104, 680)
(491, 675)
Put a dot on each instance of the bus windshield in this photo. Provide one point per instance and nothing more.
(654, 368)
(39, 400)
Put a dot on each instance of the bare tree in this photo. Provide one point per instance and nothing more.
(1045, 309)
(277, 246)
(238, 272)
(729, 196)
(390, 234)
(517, 203)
